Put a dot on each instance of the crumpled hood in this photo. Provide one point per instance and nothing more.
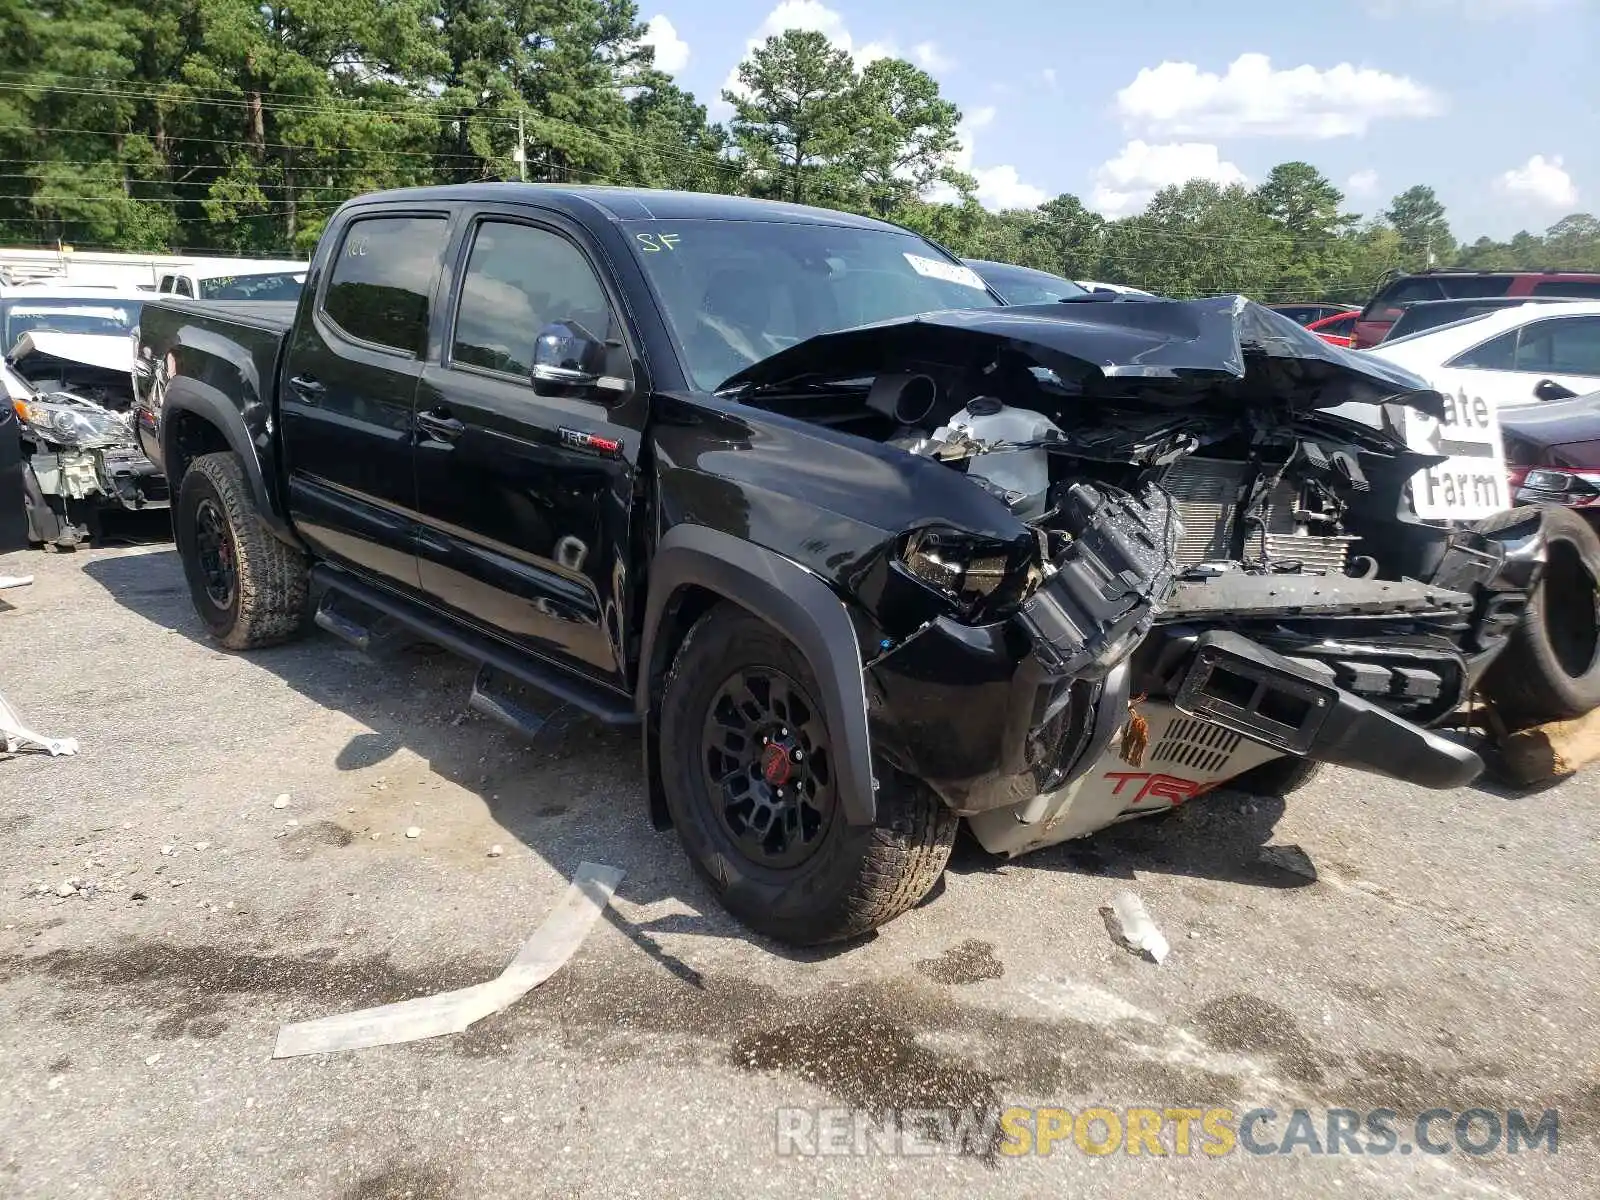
(109, 352)
(1176, 351)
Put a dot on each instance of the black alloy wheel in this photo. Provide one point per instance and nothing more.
(214, 546)
(767, 766)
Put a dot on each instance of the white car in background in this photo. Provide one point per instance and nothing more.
(1507, 358)
(241, 279)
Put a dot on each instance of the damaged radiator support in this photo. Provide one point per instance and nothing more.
(1208, 493)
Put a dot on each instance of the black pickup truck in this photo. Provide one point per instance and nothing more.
(861, 551)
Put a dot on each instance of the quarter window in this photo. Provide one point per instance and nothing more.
(383, 280)
(520, 279)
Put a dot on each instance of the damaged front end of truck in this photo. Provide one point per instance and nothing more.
(1162, 563)
(77, 436)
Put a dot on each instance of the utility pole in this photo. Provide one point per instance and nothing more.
(522, 150)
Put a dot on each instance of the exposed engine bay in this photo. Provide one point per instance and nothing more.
(78, 440)
(1171, 482)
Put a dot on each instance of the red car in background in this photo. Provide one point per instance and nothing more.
(1447, 284)
(1338, 330)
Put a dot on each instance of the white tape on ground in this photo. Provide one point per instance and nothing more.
(541, 956)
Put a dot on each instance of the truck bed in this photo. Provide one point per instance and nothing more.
(274, 316)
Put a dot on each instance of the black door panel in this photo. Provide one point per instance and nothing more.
(525, 495)
(518, 528)
(349, 380)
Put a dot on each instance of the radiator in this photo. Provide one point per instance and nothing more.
(1210, 491)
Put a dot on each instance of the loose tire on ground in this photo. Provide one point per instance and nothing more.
(220, 540)
(1550, 669)
(841, 881)
(1280, 777)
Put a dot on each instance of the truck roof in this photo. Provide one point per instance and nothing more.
(631, 204)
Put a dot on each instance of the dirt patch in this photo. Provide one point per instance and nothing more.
(186, 985)
(970, 962)
(307, 839)
(403, 1183)
(1250, 1025)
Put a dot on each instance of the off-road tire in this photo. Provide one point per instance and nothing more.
(1280, 777)
(1550, 668)
(268, 603)
(861, 876)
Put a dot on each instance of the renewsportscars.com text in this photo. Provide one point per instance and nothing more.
(1163, 1131)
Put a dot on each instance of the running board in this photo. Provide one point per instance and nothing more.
(369, 631)
(604, 704)
(512, 703)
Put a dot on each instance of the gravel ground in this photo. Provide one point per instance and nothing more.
(1445, 955)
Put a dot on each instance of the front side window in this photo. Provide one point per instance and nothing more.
(383, 279)
(1497, 354)
(736, 292)
(1561, 346)
(520, 279)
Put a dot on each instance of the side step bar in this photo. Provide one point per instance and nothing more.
(501, 670)
(1240, 685)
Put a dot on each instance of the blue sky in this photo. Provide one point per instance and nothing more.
(1493, 103)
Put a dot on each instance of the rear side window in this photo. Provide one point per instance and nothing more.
(181, 286)
(519, 279)
(1561, 346)
(1474, 287)
(383, 279)
(1497, 354)
(1572, 288)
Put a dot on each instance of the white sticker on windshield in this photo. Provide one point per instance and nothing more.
(935, 268)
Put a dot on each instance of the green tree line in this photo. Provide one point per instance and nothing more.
(238, 126)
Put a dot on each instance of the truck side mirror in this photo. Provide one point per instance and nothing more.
(568, 355)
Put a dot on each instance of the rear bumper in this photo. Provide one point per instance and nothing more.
(1244, 687)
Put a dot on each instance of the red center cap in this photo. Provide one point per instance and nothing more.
(775, 764)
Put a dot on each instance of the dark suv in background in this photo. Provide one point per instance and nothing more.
(1392, 297)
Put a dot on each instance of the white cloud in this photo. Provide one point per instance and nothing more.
(1252, 99)
(1541, 180)
(1049, 77)
(672, 52)
(930, 58)
(1123, 185)
(999, 187)
(1362, 183)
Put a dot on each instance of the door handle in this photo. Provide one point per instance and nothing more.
(307, 386)
(1549, 389)
(440, 425)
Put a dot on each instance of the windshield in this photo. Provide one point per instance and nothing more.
(736, 292)
(276, 285)
(116, 317)
(1024, 285)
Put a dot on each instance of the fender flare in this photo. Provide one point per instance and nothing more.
(798, 605)
(185, 394)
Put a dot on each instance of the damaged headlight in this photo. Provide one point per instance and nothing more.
(73, 422)
(983, 576)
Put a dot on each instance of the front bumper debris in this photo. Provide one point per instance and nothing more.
(1244, 687)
